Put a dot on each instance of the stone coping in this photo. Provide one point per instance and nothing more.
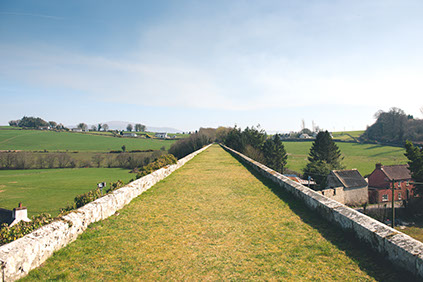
(402, 250)
(17, 258)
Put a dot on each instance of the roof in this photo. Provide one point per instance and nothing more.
(6, 216)
(396, 172)
(350, 178)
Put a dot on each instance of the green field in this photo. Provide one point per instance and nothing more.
(346, 135)
(360, 156)
(48, 190)
(214, 220)
(73, 141)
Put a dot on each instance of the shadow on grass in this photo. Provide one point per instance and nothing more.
(371, 262)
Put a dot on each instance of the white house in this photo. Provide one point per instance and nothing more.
(304, 136)
(161, 135)
(130, 134)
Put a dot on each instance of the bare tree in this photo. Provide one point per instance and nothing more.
(97, 159)
(93, 128)
(105, 127)
(129, 127)
(63, 160)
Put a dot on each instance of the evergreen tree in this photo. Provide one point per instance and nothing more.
(324, 156)
(275, 153)
(415, 157)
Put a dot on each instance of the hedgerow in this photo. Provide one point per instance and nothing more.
(160, 162)
(9, 234)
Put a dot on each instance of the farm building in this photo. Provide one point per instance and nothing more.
(77, 129)
(347, 186)
(130, 134)
(382, 179)
(161, 135)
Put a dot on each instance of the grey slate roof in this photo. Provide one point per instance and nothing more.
(350, 178)
(396, 172)
(6, 216)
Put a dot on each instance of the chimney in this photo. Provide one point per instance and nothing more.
(20, 213)
(378, 166)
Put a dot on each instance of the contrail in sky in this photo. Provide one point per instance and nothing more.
(32, 15)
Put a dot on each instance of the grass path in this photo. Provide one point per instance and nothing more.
(212, 220)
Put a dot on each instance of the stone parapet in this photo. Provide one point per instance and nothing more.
(402, 250)
(20, 256)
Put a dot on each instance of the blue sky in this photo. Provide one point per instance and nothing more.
(191, 64)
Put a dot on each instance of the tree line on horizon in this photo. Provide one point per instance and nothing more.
(394, 127)
(37, 123)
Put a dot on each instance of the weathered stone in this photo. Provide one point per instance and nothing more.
(20, 256)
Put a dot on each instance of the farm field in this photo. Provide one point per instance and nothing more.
(346, 135)
(214, 220)
(360, 156)
(48, 190)
(31, 140)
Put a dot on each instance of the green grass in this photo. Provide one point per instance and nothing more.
(73, 141)
(214, 220)
(346, 135)
(48, 190)
(360, 156)
(413, 231)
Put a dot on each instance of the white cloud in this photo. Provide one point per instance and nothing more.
(253, 83)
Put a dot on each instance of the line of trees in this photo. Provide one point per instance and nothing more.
(194, 142)
(29, 160)
(254, 143)
(35, 122)
(394, 126)
(138, 127)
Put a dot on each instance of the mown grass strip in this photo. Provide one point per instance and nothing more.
(214, 219)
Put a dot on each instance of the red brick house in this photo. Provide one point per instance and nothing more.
(382, 179)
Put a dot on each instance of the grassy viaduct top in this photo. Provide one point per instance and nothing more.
(215, 219)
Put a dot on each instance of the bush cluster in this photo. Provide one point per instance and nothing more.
(254, 143)
(194, 142)
(9, 234)
(160, 162)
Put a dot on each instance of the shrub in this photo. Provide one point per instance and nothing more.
(114, 186)
(9, 234)
(160, 162)
(83, 199)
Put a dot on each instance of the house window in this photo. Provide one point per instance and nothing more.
(385, 198)
(408, 183)
(399, 184)
(399, 196)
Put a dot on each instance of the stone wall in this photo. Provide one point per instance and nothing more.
(402, 250)
(20, 256)
(356, 196)
(336, 194)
